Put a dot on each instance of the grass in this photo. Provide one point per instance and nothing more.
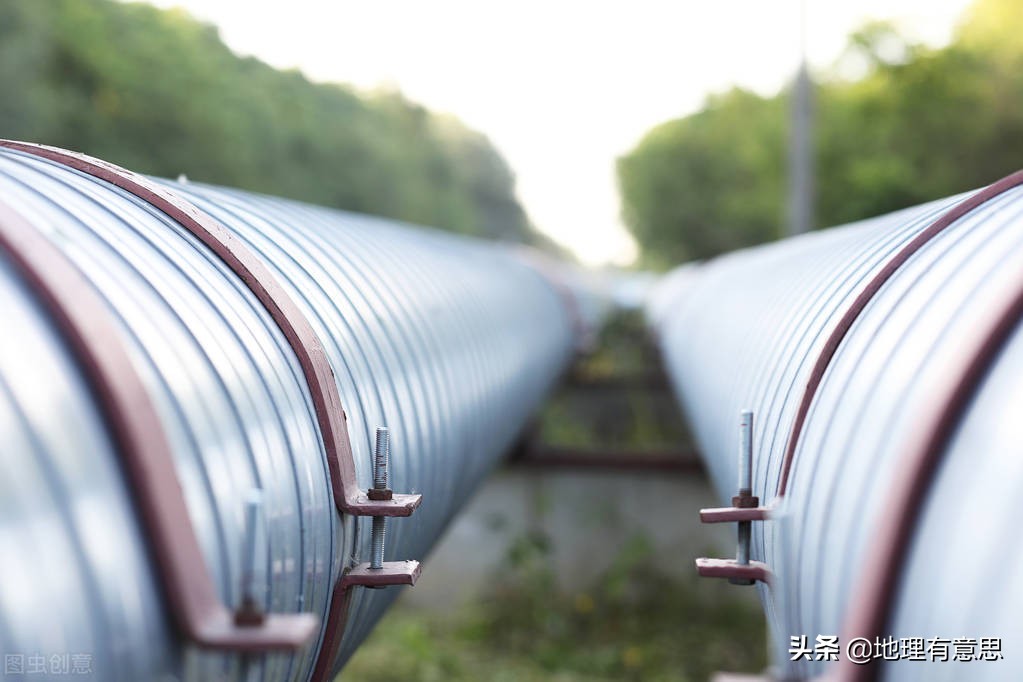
(634, 623)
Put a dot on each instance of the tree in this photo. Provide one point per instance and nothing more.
(921, 123)
(160, 93)
(707, 183)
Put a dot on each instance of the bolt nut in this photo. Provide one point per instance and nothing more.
(249, 614)
(379, 494)
(745, 501)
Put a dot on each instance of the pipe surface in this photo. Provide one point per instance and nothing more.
(449, 341)
(849, 345)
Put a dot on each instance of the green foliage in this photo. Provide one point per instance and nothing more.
(707, 183)
(158, 92)
(618, 400)
(921, 124)
(633, 623)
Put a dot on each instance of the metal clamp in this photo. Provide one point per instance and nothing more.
(187, 583)
(244, 262)
(388, 573)
(744, 511)
(375, 574)
(85, 323)
(379, 573)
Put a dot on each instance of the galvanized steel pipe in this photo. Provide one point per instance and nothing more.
(448, 342)
(883, 363)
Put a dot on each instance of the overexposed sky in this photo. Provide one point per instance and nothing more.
(561, 87)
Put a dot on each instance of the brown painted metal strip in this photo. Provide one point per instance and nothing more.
(731, 569)
(392, 573)
(861, 302)
(875, 594)
(311, 355)
(734, 514)
(88, 328)
(296, 328)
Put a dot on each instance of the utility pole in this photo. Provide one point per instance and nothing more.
(801, 174)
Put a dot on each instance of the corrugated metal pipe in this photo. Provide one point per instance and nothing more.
(193, 381)
(883, 366)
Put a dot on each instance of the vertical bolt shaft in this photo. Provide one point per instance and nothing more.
(745, 483)
(253, 504)
(742, 555)
(746, 453)
(381, 454)
(379, 534)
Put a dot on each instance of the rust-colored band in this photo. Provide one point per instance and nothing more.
(296, 328)
(310, 352)
(861, 302)
(88, 328)
(734, 514)
(877, 587)
(391, 573)
(733, 570)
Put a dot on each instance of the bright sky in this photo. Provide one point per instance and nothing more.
(561, 87)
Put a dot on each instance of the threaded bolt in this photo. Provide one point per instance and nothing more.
(745, 496)
(381, 453)
(249, 612)
(253, 503)
(379, 534)
(746, 452)
(745, 480)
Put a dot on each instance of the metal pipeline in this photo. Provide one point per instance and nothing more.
(191, 383)
(881, 361)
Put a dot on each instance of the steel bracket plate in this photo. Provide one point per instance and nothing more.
(400, 504)
(392, 573)
(734, 514)
(731, 569)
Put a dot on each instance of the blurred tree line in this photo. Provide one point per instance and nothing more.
(159, 92)
(919, 124)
